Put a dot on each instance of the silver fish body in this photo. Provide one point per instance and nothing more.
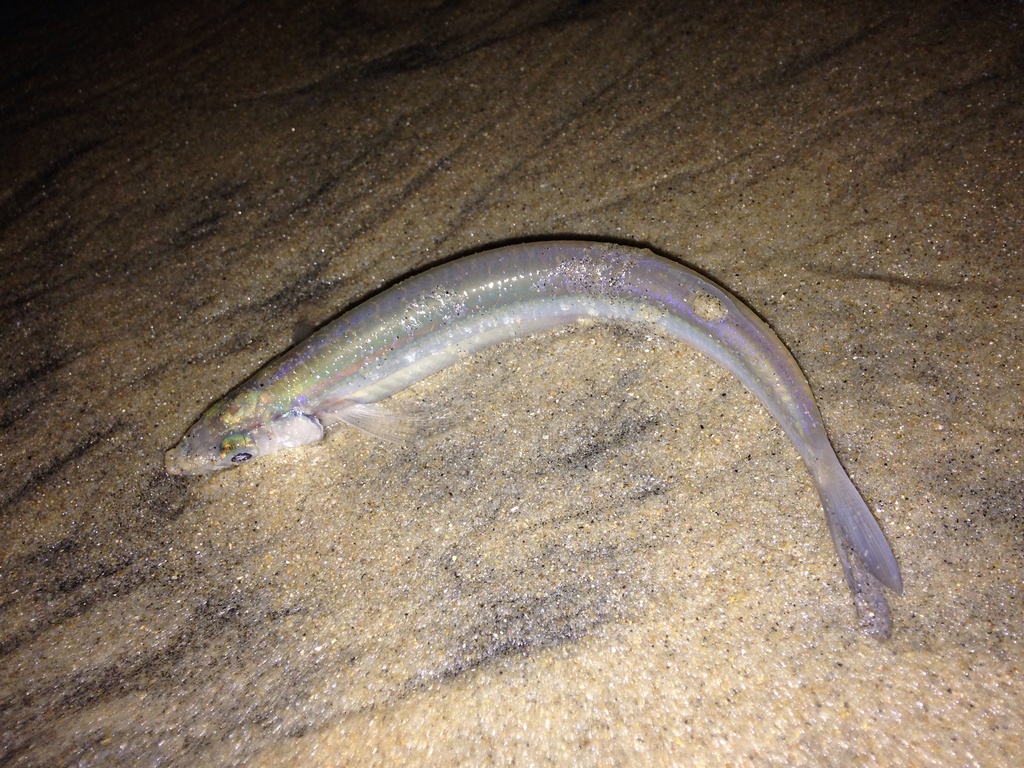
(433, 319)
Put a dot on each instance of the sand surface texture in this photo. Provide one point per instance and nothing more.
(605, 552)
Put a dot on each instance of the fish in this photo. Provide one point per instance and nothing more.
(342, 372)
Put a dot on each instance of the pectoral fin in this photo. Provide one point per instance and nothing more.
(372, 418)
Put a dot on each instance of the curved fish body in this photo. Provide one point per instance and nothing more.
(433, 319)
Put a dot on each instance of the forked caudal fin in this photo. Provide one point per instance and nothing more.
(866, 557)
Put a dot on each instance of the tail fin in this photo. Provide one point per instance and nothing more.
(867, 560)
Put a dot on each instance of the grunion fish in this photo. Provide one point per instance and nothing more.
(431, 320)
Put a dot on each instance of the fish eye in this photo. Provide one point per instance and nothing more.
(238, 449)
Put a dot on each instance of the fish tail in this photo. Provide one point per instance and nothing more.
(866, 557)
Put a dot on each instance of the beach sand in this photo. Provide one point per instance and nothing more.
(603, 550)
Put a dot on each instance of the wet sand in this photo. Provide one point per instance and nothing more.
(604, 550)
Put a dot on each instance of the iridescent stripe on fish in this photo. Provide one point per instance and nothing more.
(433, 319)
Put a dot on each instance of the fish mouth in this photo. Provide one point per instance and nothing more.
(171, 463)
(175, 460)
(180, 460)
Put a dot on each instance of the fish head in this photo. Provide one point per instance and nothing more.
(205, 449)
(230, 435)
